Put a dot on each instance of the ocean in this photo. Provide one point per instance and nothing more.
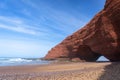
(21, 61)
(29, 61)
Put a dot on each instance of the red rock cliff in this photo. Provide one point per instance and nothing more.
(101, 36)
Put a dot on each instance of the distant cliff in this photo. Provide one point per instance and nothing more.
(101, 36)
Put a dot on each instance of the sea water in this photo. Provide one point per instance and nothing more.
(21, 61)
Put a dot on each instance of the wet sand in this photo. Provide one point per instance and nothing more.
(64, 71)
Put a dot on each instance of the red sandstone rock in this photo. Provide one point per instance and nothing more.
(77, 60)
(101, 36)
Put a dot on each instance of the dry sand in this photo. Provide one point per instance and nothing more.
(66, 71)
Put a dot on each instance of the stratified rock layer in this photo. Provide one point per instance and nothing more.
(101, 36)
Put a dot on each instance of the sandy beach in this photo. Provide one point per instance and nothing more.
(66, 71)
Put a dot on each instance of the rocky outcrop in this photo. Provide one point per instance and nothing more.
(101, 36)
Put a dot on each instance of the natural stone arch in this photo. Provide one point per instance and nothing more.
(85, 53)
(101, 35)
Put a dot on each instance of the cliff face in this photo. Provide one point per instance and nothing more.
(101, 36)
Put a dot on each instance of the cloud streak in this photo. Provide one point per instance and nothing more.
(55, 19)
(22, 26)
(42, 21)
(10, 20)
(15, 24)
(19, 29)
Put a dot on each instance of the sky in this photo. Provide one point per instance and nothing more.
(30, 28)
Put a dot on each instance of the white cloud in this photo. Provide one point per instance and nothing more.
(19, 29)
(62, 21)
(18, 25)
(22, 26)
(11, 20)
(46, 22)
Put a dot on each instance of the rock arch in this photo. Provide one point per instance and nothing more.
(84, 50)
(101, 36)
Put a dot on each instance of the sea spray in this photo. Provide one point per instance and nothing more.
(21, 61)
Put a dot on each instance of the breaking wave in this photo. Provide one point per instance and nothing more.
(20, 61)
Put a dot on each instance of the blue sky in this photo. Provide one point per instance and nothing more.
(29, 28)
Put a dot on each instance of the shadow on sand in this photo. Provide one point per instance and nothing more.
(112, 72)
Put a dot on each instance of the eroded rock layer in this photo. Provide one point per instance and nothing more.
(101, 36)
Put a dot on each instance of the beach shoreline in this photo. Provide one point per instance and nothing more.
(56, 71)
